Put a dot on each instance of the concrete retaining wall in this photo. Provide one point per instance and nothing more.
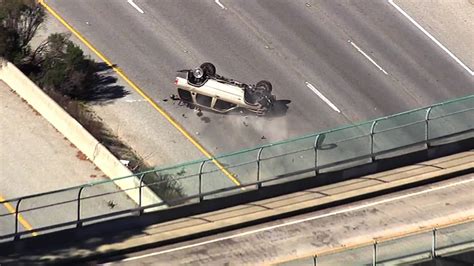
(74, 132)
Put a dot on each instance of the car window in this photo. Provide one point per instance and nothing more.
(223, 105)
(203, 100)
(185, 95)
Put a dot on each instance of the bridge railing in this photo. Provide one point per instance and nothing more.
(284, 161)
(405, 249)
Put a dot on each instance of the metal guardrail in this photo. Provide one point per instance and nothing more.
(407, 249)
(283, 161)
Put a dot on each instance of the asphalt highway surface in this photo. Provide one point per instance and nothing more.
(338, 62)
(293, 44)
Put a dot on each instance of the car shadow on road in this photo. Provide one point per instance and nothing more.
(280, 107)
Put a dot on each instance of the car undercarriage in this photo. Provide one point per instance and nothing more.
(258, 97)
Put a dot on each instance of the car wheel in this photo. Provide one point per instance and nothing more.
(264, 84)
(209, 69)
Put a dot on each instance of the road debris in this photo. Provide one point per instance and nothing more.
(198, 112)
(174, 97)
(111, 204)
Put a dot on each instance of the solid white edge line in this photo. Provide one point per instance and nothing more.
(367, 56)
(320, 95)
(135, 6)
(431, 37)
(220, 4)
(304, 220)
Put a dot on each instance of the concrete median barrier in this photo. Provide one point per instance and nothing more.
(75, 133)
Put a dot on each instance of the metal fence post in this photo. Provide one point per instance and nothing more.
(78, 221)
(201, 198)
(427, 123)
(374, 257)
(259, 154)
(372, 128)
(17, 208)
(140, 193)
(433, 244)
(316, 146)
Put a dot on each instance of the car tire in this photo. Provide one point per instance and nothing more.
(208, 68)
(264, 84)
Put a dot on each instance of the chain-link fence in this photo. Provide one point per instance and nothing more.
(249, 169)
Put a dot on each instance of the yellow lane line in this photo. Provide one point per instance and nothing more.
(22, 220)
(142, 93)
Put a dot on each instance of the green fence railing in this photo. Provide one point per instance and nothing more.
(283, 161)
(412, 248)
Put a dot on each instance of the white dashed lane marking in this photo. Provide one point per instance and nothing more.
(135, 6)
(220, 4)
(320, 95)
(367, 56)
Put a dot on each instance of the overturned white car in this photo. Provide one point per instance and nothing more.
(203, 87)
